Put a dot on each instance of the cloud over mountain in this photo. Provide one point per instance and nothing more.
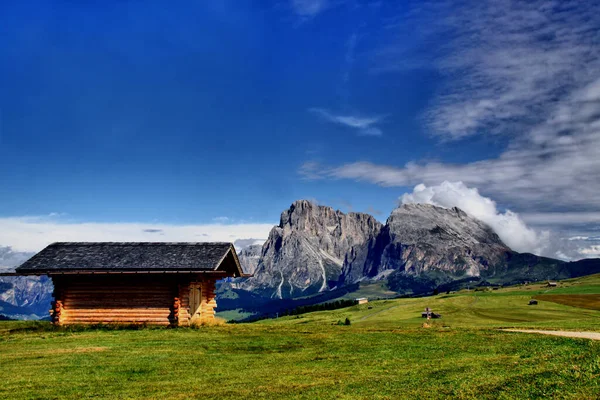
(508, 225)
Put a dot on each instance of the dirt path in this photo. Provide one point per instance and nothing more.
(582, 335)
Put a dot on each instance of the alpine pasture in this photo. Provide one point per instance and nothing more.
(385, 353)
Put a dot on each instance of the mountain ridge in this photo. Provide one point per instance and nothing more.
(420, 247)
(305, 253)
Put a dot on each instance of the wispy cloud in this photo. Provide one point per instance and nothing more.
(364, 126)
(555, 165)
(506, 63)
(528, 70)
(311, 170)
(309, 8)
(34, 233)
(565, 219)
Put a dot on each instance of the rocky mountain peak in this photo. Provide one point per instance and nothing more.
(249, 257)
(304, 254)
(421, 237)
(439, 227)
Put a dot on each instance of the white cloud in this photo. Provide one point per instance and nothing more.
(34, 233)
(508, 225)
(364, 125)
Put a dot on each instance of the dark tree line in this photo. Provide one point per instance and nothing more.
(332, 305)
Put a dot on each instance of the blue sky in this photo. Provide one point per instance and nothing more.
(211, 112)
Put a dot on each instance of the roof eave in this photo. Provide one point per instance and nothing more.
(240, 271)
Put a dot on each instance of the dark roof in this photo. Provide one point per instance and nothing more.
(144, 256)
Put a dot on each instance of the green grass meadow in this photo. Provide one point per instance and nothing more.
(385, 353)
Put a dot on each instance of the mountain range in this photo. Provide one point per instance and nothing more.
(317, 253)
(420, 248)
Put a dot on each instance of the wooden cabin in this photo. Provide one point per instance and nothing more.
(362, 300)
(129, 283)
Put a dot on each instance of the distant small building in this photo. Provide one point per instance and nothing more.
(552, 284)
(533, 302)
(362, 300)
(430, 314)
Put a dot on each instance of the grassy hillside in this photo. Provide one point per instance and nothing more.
(385, 353)
(488, 308)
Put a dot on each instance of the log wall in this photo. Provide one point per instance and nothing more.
(130, 299)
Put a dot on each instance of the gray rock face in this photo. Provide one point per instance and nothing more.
(421, 238)
(26, 297)
(249, 257)
(305, 253)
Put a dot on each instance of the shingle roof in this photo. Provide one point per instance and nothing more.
(143, 256)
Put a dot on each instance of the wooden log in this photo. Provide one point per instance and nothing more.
(140, 301)
(116, 319)
(111, 322)
(117, 312)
